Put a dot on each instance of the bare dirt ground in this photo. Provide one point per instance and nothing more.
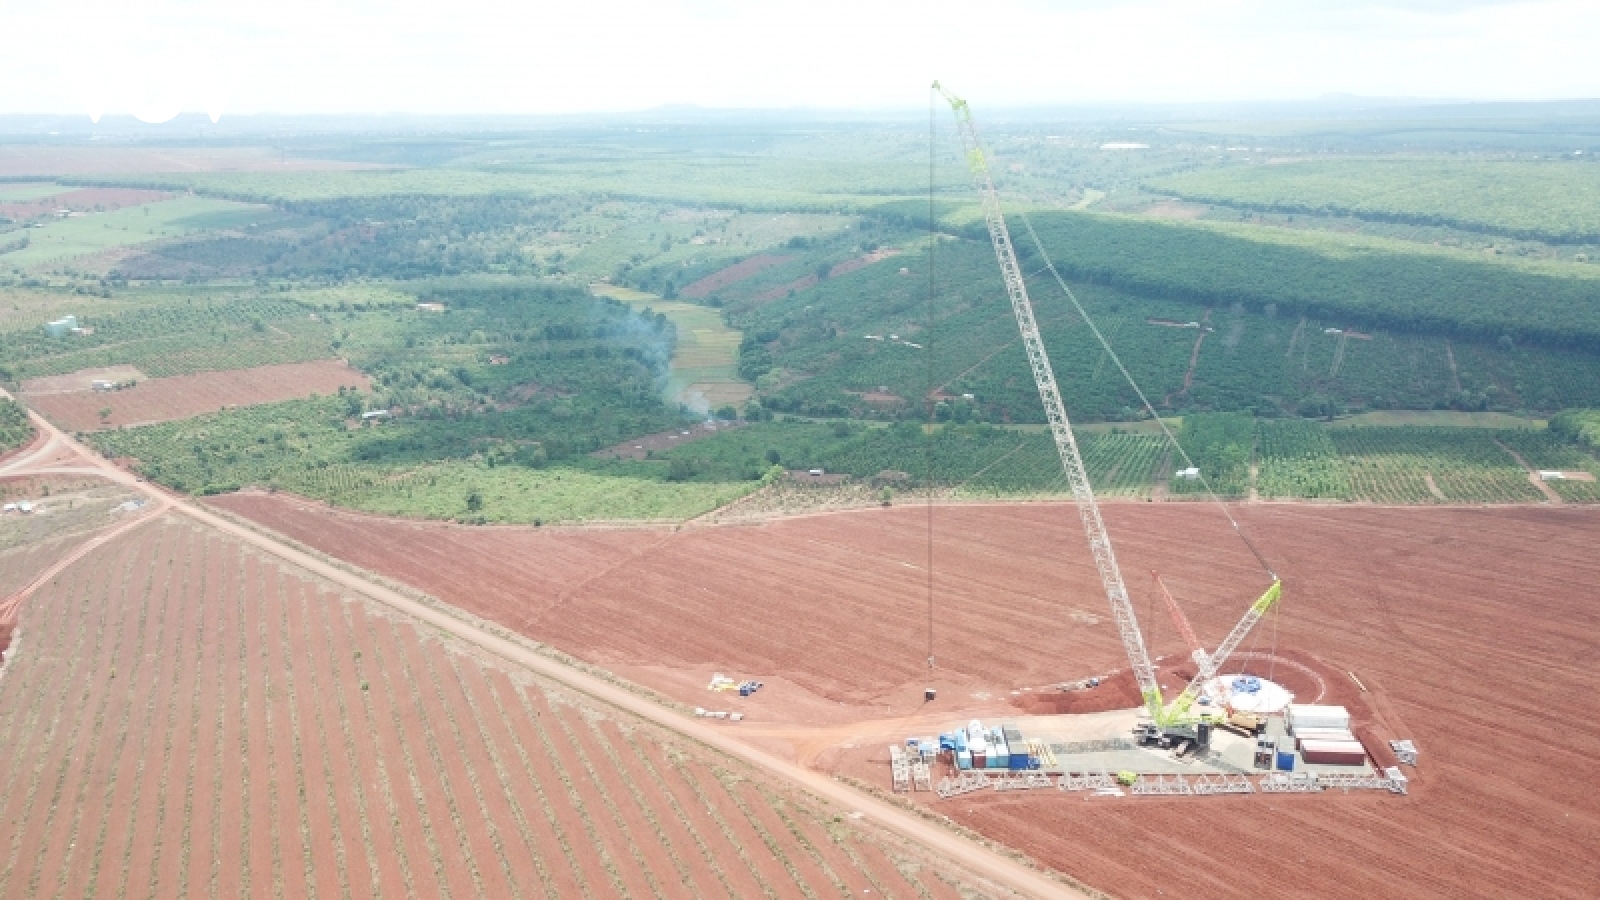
(50, 159)
(81, 380)
(829, 849)
(739, 271)
(183, 712)
(861, 262)
(1471, 629)
(182, 396)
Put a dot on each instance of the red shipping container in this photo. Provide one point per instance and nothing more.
(1333, 753)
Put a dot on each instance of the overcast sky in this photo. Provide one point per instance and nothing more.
(156, 58)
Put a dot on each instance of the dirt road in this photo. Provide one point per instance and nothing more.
(59, 453)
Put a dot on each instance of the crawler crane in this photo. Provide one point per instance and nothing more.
(1178, 717)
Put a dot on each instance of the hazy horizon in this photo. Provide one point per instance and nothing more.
(154, 60)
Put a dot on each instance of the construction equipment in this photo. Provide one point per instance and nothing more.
(1163, 717)
(1196, 652)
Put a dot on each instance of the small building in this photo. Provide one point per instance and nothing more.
(1550, 475)
(374, 415)
(1193, 472)
(431, 307)
(61, 327)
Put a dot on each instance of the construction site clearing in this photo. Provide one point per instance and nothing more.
(1301, 749)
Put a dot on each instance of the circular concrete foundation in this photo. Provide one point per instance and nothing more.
(1267, 696)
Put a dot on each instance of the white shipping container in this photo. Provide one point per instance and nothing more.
(1310, 717)
(1302, 735)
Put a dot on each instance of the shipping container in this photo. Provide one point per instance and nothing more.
(1286, 760)
(1018, 762)
(1334, 753)
(963, 759)
(1322, 734)
(979, 760)
(1308, 716)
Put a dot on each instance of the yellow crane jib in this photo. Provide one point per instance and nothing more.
(1179, 712)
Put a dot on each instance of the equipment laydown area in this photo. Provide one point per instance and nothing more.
(1459, 626)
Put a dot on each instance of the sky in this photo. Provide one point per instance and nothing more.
(156, 58)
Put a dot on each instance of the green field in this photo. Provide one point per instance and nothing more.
(64, 239)
(703, 374)
(1547, 200)
(747, 182)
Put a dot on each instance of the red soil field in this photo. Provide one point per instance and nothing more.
(80, 200)
(861, 262)
(185, 716)
(1464, 625)
(739, 271)
(182, 396)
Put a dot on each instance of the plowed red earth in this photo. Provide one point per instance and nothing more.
(182, 715)
(182, 396)
(739, 271)
(1473, 629)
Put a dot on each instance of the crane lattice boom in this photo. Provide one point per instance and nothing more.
(1060, 429)
(1072, 461)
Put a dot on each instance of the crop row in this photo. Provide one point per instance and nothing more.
(194, 719)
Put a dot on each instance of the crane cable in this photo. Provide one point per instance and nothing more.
(1106, 345)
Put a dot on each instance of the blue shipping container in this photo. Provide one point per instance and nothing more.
(1019, 762)
(1286, 760)
(963, 759)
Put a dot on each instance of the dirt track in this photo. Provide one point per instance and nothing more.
(1472, 628)
(58, 454)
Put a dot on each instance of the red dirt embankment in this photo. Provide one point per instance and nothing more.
(182, 396)
(1467, 626)
(739, 271)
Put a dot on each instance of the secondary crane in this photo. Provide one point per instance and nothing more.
(1196, 652)
(1072, 461)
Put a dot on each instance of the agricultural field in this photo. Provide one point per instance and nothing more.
(844, 346)
(185, 396)
(435, 468)
(1445, 646)
(703, 371)
(1546, 201)
(242, 729)
(64, 239)
(15, 429)
(741, 181)
(167, 334)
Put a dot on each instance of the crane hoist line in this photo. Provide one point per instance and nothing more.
(1180, 712)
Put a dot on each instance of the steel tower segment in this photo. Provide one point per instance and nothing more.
(1060, 429)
